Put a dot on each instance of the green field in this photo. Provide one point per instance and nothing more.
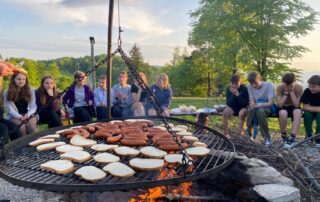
(196, 101)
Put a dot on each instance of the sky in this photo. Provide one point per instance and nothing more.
(46, 29)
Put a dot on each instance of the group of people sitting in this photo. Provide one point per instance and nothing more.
(21, 101)
(256, 102)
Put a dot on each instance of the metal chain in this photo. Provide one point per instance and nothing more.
(87, 73)
(133, 70)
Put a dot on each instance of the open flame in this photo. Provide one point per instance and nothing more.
(159, 192)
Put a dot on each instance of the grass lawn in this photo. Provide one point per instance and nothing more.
(210, 102)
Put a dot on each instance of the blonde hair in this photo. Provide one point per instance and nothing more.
(143, 77)
(165, 80)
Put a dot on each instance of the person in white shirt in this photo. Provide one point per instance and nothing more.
(20, 102)
(121, 97)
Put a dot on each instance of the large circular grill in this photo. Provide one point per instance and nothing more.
(21, 165)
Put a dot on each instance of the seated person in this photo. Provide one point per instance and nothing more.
(121, 97)
(79, 98)
(311, 106)
(20, 102)
(163, 94)
(237, 102)
(48, 102)
(288, 100)
(140, 97)
(5, 125)
(261, 96)
(100, 98)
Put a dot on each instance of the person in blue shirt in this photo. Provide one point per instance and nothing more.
(237, 103)
(100, 98)
(163, 94)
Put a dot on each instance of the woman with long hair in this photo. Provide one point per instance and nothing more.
(79, 98)
(20, 102)
(163, 93)
(48, 102)
(139, 96)
(8, 130)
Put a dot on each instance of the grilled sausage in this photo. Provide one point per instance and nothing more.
(115, 139)
(90, 129)
(70, 132)
(102, 134)
(172, 147)
(133, 143)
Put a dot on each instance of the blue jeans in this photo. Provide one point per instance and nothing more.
(101, 113)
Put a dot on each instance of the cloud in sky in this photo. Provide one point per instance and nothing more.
(84, 13)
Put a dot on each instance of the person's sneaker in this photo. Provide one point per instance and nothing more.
(318, 145)
(284, 140)
(289, 143)
(268, 143)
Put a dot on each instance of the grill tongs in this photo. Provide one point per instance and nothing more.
(186, 160)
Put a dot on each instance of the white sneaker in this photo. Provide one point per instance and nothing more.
(267, 143)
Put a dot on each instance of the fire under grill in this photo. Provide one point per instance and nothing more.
(21, 165)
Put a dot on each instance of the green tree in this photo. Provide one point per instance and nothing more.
(254, 35)
(138, 61)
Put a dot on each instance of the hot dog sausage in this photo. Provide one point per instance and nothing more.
(133, 143)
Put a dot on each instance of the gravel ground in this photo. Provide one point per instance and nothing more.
(17, 194)
(14, 193)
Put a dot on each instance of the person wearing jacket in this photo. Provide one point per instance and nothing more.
(48, 102)
(163, 94)
(237, 103)
(80, 99)
(20, 102)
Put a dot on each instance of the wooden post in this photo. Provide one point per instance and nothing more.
(109, 64)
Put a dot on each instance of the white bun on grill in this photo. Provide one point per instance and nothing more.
(190, 138)
(182, 126)
(146, 164)
(126, 151)
(160, 127)
(119, 169)
(76, 156)
(104, 147)
(199, 144)
(67, 148)
(184, 133)
(40, 141)
(115, 121)
(197, 151)
(61, 131)
(106, 158)
(78, 140)
(174, 158)
(53, 136)
(153, 152)
(49, 146)
(58, 166)
(91, 173)
(178, 129)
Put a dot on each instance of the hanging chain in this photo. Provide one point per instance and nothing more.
(119, 29)
(133, 70)
(87, 73)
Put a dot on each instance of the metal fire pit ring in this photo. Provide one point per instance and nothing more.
(21, 165)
